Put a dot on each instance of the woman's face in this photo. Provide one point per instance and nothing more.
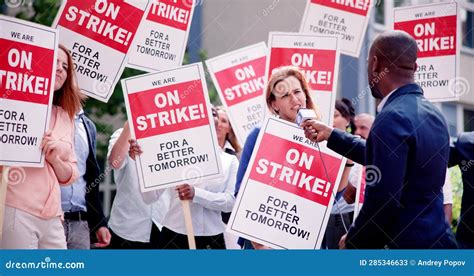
(289, 98)
(339, 121)
(223, 128)
(215, 116)
(61, 70)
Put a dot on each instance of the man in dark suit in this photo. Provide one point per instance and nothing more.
(80, 201)
(406, 155)
(462, 154)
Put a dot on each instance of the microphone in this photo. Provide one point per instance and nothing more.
(304, 114)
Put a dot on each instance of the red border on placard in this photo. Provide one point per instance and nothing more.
(444, 27)
(41, 66)
(143, 103)
(226, 79)
(128, 18)
(278, 156)
(323, 60)
(333, 4)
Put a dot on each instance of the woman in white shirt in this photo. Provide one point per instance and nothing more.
(133, 223)
(207, 201)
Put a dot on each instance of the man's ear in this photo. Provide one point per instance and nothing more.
(375, 65)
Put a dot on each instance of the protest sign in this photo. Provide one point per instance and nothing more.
(347, 19)
(161, 39)
(317, 56)
(27, 75)
(288, 189)
(435, 28)
(169, 116)
(360, 185)
(239, 78)
(99, 34)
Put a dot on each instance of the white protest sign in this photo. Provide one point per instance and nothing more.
(436, 30)
(170, 117)
(161, 39)
(239, 77)
(347, 19)
(317, 56)
(99, 34)
(27, 74)
(288, 191)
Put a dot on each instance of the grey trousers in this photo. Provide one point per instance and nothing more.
(77, 234)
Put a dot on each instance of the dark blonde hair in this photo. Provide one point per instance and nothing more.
(231, 135)
(69, 96)
(280, 74)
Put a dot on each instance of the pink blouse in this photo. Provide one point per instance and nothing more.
(36, 190)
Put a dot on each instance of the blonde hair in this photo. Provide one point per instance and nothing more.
(231, 135)
(69, 96)
(280, 74)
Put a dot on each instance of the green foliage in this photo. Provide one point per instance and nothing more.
(102, 112)
(45, 11)
(213, 96)
(456, 182)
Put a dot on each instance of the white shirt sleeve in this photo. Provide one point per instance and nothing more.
(447, 189)
(153, 196)
(112, 141)
(220, 201)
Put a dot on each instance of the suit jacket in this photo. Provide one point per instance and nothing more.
(462, 154)
(95, 214)
(406, 157)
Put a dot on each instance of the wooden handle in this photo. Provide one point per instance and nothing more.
(3, 194)
(189, 223)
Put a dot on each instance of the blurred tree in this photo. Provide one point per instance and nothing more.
(456, 181)
(44, 12)
(102, 113)
(213, 96)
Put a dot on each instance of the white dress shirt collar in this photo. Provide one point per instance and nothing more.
(384, 101)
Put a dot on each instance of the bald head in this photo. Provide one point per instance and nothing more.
(363, 123)
(391, 62)
(396, 50)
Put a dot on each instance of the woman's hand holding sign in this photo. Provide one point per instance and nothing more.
(135, 149)
(57, 155)
(185, 192)
(48, 145)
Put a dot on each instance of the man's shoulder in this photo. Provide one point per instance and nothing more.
(392, 115)
(466, 138)
(411, 107)
(465, 143)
